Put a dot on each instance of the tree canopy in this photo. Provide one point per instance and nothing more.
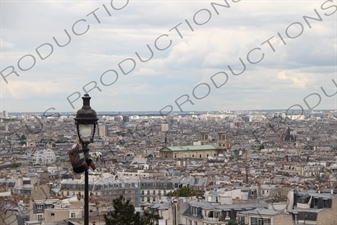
(124, 214)
(182, 192)
(261, 147)
(15, 165)
(149, 156)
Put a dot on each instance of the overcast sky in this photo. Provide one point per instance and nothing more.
(192, 42)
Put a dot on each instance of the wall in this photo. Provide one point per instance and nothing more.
(328, 216)
(59, 214)
(8, 217)
(282, 219)
(195, 154)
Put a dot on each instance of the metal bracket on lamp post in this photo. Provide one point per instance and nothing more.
(85, 149)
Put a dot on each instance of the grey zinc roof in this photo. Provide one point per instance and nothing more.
(322, 195)
(296, 210)
(201, 204)
(162, 206)
(224, 207)
(243, 206)
(217, 193)
(261, 211)
(192, 148)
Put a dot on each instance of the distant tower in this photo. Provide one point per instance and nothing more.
(126, 119)
(103, 131)
(222, 140)
(165, 128)
(204, 137)
(5, 114)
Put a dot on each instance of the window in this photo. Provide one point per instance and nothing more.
(72, 215)
(326, 203)
(210, 214)
(52, 214)
(39, 217)
(260, 221)
(195, 211)
(241, 219)
(315, 202)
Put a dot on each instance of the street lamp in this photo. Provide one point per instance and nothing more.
(86, 121)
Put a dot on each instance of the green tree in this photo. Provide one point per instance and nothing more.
(124, 214)
(15, 165)
(182, 192)
(149, 218)
(261, 147)
(149, 156)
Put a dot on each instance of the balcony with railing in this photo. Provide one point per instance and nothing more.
(212, 216)
(211, 219)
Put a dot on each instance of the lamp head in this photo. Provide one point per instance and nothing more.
(86, 121)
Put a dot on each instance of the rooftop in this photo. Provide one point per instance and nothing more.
(192, 148)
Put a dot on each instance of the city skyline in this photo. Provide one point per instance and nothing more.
(288, 55)
(150, 112)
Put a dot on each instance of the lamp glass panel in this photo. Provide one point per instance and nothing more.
(86, 130)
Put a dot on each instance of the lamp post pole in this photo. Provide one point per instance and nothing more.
(86, 121)
(86, 186)
(86, 199)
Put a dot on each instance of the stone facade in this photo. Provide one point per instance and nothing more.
(198, 151)
(282, 219)
(328, 216)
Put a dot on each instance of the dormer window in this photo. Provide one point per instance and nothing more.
(195, 211)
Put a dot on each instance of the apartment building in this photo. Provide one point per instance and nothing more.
(152, 190)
